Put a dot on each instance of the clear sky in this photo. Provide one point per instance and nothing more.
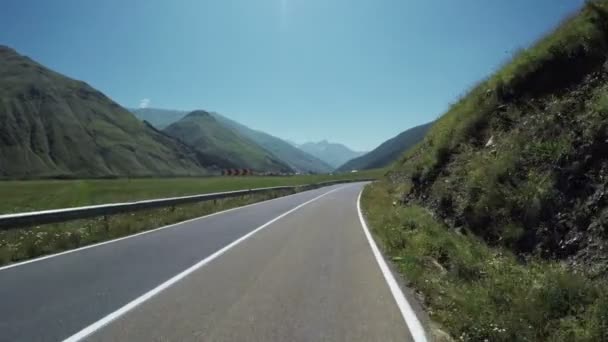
(352, 71)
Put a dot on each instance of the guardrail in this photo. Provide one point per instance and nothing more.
(12, 221)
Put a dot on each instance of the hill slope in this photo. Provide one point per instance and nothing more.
(159, 118)
(332, 153)
(500, 216)
(292, 156)
(286, 152)
(51, 125)
(388, 151)
(202, 131)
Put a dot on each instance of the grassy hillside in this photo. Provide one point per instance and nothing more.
(389, 151)
(202, 131)
(159, 118)
(499, 217)
(51, 125)
(296, 159)
(333, 154)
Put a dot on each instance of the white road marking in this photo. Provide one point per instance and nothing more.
(135, 235)
(131, 305)
(409, 316)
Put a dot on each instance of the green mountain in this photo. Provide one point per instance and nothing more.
(504, 205)
(54, 126)
(294, 157)
(159, 118)
(333, 154)
(204, 132)
(389, 151)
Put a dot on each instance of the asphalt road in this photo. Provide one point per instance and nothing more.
(309, 275)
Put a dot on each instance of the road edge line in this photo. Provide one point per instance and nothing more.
(172, 225)
(408, 314)
(92, 328)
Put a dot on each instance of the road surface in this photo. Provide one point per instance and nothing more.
(298, 268)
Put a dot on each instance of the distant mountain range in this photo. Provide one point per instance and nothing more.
(54, 126)
(319, 157)
(333, 154)
(204, 132)
(389, 151)
(295, 158)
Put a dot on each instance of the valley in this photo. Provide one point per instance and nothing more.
(485, 219)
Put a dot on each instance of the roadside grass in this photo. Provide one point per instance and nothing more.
(23, 244)
(478, 293)
(21, 196)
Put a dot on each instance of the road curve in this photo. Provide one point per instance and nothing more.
(308, 275)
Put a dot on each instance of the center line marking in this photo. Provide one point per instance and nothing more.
(146, 296)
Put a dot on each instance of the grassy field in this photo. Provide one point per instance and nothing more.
(22, 244)
(20, 196)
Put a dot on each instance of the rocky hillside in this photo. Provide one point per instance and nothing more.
(499, 218)
(202, 131)
(522, 161)
(54, 126)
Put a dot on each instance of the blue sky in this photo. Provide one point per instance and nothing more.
(352, 71)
